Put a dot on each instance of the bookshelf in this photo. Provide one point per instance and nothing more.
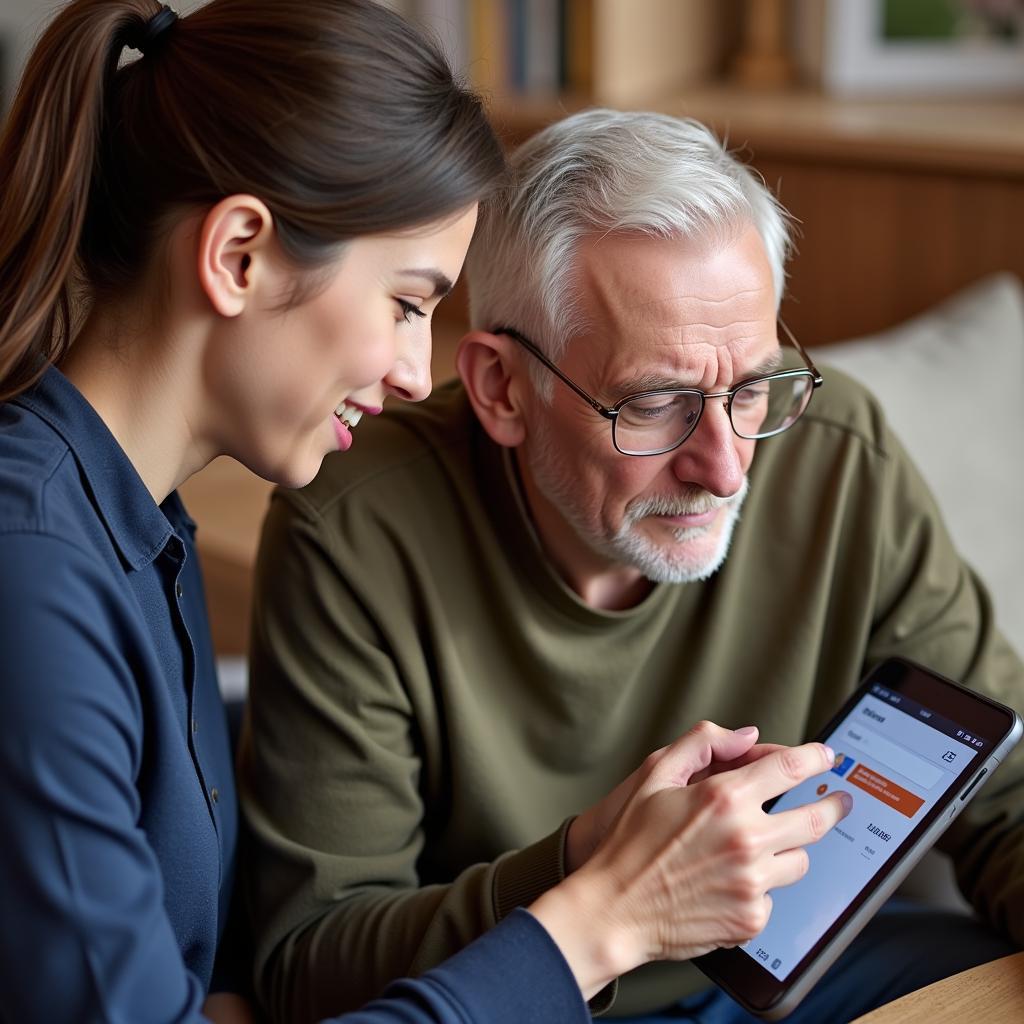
(611, 51)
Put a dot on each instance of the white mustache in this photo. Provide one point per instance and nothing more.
(701, 502)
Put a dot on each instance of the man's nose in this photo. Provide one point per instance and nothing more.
(710, 456)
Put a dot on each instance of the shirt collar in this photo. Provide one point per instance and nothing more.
(138, 526)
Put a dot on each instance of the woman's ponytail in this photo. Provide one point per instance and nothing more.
(48, 152)
(341, 117)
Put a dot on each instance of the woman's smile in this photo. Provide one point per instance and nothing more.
(345, 418)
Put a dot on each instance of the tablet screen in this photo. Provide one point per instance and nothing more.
(895, 758)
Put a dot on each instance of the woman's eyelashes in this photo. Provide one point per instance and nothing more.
(409, 310)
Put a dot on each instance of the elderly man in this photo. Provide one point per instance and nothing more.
(479, 621)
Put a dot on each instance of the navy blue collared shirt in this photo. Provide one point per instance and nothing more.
(117, 799)
(116, 789)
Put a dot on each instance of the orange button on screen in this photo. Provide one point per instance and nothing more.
(888, 792)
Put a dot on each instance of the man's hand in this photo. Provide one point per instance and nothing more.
(687, 863)
(705, 750)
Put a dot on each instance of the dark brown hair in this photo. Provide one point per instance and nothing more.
(336, 113)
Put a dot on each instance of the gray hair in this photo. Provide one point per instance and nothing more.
(598, 172)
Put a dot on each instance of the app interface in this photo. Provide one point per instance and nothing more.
(895, 758)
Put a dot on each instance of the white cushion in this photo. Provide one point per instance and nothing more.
(952, 384)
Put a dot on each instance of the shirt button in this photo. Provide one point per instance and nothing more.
(214, 794)
(179, 589)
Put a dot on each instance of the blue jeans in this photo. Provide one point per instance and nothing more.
(905, 947)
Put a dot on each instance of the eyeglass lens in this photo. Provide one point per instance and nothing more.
(660, 421)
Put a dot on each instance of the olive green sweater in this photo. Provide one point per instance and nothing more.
(430, 702)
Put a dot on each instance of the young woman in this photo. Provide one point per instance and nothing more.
(231, 244)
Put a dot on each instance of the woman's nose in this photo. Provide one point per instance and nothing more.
(409, 379)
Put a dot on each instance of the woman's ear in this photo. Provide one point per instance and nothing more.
(234, 252)
(494, 376)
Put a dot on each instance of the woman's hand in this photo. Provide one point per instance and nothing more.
(688, 861)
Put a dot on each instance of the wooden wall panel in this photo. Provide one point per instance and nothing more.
(877, 245)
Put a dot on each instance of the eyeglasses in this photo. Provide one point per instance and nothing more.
(655, 422)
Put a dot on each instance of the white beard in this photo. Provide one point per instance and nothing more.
(678, 565)
(552, 474)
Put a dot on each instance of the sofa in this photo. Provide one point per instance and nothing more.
(951, 382)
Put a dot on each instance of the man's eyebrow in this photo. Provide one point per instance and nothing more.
(768, 365)
(647, 382)
(442, 284)
(656, 382)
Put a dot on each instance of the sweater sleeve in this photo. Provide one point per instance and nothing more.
(330, 779)
(934, 609)
(512, 974)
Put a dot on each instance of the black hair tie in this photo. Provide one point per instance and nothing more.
(150, 33)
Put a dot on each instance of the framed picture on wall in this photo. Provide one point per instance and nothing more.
(923, 47)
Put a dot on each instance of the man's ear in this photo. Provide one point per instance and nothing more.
(234, 252)
(494, 376)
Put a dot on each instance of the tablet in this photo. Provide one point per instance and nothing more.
(911, 749)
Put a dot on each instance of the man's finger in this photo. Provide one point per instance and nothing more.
(755, 753)
(811, 822)
(789, 867)
(695, 750)
(780, 771)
